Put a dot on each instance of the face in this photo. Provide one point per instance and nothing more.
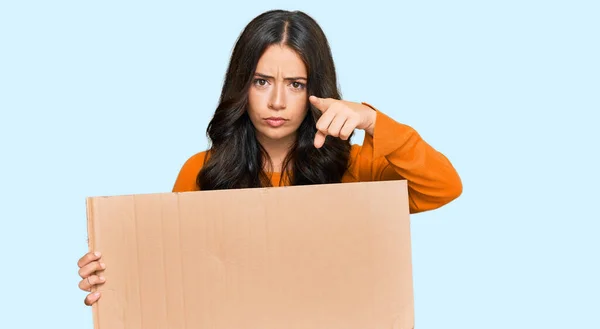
(277, 99)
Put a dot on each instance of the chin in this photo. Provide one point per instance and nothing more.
(275, 134)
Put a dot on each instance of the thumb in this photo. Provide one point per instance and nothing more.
(321, 103)
(319, 139)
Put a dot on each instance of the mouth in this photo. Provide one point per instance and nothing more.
(275, 121)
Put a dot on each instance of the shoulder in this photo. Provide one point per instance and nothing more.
(196, 161)
(186, 178)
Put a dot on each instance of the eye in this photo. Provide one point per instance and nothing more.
(297, 85)
(260, 82)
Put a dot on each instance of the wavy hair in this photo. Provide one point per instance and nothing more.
(236, 159)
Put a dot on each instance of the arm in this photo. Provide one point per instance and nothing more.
(392, 150)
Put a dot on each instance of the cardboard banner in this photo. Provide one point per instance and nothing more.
(332, 256)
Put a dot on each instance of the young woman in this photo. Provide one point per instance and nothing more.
(281, 121)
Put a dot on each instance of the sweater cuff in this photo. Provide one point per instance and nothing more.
(388, 134)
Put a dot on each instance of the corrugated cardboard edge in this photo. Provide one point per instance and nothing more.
(91, 247)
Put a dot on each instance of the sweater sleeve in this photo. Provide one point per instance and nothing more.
(397, 151)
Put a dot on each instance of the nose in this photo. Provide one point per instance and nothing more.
(277, 99)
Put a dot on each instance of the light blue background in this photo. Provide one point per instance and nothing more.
(111, 97)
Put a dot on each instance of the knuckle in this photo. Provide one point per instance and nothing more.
(86, 259)
(88, 269)
(93, 279)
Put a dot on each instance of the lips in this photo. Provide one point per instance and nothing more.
(275, 121)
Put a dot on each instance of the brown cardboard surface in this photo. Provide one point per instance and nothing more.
(327, 256)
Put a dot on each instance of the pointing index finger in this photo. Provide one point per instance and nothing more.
(322, 104)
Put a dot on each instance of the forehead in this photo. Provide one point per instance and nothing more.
(281, 59)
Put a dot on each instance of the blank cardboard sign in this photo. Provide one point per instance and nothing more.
(313, 257)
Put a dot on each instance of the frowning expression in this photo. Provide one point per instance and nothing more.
(277, 99)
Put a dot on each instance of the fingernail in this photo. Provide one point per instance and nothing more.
(102, 265)
(97, 254)
(101, 278)
(97, 294)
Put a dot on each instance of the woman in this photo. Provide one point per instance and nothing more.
(281, 121)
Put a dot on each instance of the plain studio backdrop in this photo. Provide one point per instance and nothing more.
(111, 97)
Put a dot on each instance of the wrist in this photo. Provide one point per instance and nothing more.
(371, 118)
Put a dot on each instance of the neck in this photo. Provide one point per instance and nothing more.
(277, 151)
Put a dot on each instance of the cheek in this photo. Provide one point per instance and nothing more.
(299, 106)
(254, 102)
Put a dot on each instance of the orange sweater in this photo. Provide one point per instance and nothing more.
(395, 151)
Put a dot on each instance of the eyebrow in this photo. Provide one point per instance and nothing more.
(287, 78)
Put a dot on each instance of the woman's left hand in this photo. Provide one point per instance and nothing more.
(340, 118)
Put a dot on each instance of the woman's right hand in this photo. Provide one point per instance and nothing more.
(88, 265)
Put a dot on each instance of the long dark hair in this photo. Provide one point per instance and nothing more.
(236, 158)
